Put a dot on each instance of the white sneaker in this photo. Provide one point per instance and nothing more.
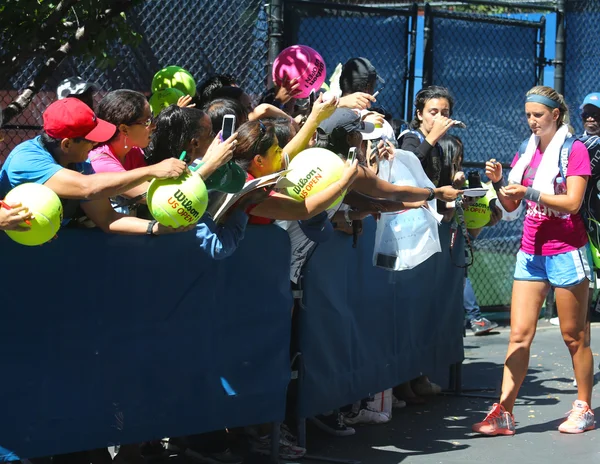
(366, 416)
(554, 321)
(398, 404)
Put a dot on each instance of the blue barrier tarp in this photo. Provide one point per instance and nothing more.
(365, 329)
(110, 339)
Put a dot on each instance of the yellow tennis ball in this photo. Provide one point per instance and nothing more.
(163, 98)
(312, 171)
(47, 212)
(478, 214)
(177, 202)
(174, 77)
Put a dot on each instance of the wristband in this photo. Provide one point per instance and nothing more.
(431, 195)
(532, 195)
(347, 217)
(149, 230)
(498, 185)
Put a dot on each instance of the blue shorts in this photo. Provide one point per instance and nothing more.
(562, 270)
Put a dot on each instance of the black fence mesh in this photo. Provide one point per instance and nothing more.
(488, 62)
(203, 36)
(339, 33)
(488, 78)
(582, 55)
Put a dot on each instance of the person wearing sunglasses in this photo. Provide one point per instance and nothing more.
(57, 159)
(130, 112)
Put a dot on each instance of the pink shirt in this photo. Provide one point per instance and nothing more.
(547, 232)
(103, 159)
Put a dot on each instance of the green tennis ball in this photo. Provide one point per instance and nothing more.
(312, 171)
(478, 214)
(47, 212)
(174, 77)
(163, 98)
(177, 202)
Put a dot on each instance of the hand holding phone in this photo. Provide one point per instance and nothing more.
(228, 127)
(352, 154)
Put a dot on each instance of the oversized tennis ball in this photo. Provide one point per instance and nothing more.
(312, 171)
(177, 202)
(47, 212)
(478, 214)
(303, 63)
(163, 98)
(174, 77)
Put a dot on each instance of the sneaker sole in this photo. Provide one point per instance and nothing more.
(506, 433)
(577, 431)
(330, 431)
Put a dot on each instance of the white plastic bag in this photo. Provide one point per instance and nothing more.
(382, 402)
(406, 239)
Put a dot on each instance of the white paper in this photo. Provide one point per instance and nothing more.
(255, 184)
(475, 192)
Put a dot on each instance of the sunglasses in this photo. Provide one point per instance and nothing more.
(594, 115)
(147, 123)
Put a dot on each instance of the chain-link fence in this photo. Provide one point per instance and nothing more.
(488, 78)
(582, 74)
(203, 36)
(488, 62)
(339, 31)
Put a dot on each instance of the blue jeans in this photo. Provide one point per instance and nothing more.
(472, 309)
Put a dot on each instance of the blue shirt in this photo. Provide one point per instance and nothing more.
(31, 162)
(220, 241)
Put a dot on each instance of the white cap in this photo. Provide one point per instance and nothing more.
(73, 86)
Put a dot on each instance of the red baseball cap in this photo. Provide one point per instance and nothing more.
(70, 118)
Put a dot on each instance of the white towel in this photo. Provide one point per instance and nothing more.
(548, 168)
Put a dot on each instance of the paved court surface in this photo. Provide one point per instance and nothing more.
(440, 432)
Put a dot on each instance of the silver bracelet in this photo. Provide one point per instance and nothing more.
(532, 195)
(347, 217)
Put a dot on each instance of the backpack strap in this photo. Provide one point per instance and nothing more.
(523, 147)
(565, 152)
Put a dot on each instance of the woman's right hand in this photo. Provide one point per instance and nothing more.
(493, 169)
(171, 168)
(322, 110)
(219, 153)
(350, 173)
(447, 193)
(441, 125)
(11, 219)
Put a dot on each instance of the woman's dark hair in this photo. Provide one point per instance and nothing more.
(336, 142)
(122, 107)
(426, 94)
(175, 127)
(235, 93)
(254, 138)
(453, 151)
(205, 90)
(283, 129)
(221, 107)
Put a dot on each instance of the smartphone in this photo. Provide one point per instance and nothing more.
(352, 154)
(228, 127)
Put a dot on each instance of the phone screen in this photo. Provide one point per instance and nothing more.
(352, 155)
(228, 127)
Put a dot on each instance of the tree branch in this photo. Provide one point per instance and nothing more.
(75, 44)
(27, 43)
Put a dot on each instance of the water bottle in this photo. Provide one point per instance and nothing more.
(560, 188)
